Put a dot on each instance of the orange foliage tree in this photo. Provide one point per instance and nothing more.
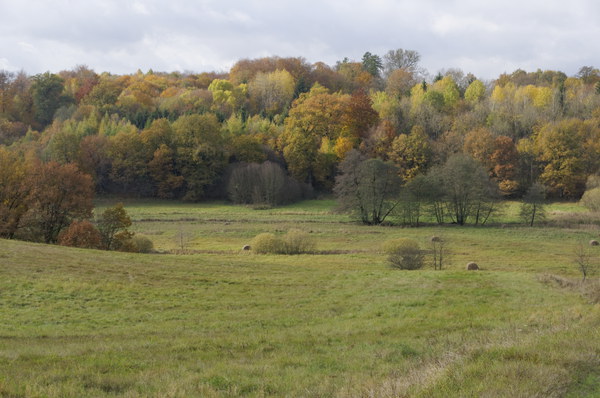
(59, 194)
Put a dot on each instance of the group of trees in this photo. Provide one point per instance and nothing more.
(185, 135)
(458, 191)
(53, 203)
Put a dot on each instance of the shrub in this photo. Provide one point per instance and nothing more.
(297, 242)
(266, 243)
(404, 253)
(591, 199)
(142, 243)
(123, 242)
(293, 242)
(81, 234)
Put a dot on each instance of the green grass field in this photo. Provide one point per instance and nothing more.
(215, 321)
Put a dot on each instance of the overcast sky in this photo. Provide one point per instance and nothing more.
(485, 37)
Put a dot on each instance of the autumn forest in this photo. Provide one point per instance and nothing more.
(197, 136)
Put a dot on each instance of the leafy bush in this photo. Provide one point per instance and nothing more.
(297, 242)
(404, 253)
(142, 243)
(123, 242)
(591, 199)
(266, 243)
(293, 242)
(81, 234)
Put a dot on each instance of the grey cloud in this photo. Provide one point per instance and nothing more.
(486, 38)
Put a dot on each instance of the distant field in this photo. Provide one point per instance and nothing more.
(220, 322)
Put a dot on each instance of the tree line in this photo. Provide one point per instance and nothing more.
(288, 126)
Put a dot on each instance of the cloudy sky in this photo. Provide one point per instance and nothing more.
(485, 37)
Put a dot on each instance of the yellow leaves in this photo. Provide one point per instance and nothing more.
(411, 153)
(540, 97)
(386, 106)
(448, 88)
(417, 95)
(565, 151)
(272, 91)
(572, 87)
(543, 97)
(343, 145)
(504, 93)
(170, 92)
(475, 92)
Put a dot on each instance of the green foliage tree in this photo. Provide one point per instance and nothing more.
(372, 64)
(47, 92)
(200, 155)
(113, 226)
(227, 97)
(129, 162)
(475, 92)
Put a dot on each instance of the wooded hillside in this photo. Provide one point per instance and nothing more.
(180, 135)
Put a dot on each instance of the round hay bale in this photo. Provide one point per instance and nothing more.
(472, 266)
(594, 243)
(435, 239)
(246, 247)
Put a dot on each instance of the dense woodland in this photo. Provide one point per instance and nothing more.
(284, 122)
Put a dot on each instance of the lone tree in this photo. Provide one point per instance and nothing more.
(583, 261)
(533, 207)
(439, 252)
(113, 226)
(367, 187)
(59, 194)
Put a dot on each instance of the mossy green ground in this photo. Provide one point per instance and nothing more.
(218, 321)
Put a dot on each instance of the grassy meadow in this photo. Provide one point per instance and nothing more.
(202, 318)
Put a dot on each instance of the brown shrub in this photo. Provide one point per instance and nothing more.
(81, 234)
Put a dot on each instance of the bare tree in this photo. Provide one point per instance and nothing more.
(402, 59)
(439, 252)
(583, 260)
(367, 188)
(182, 238)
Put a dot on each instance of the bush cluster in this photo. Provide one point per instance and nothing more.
(404, 253)
(294, 241)
(110, 233)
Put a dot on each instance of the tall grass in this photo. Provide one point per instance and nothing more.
(221, 323)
